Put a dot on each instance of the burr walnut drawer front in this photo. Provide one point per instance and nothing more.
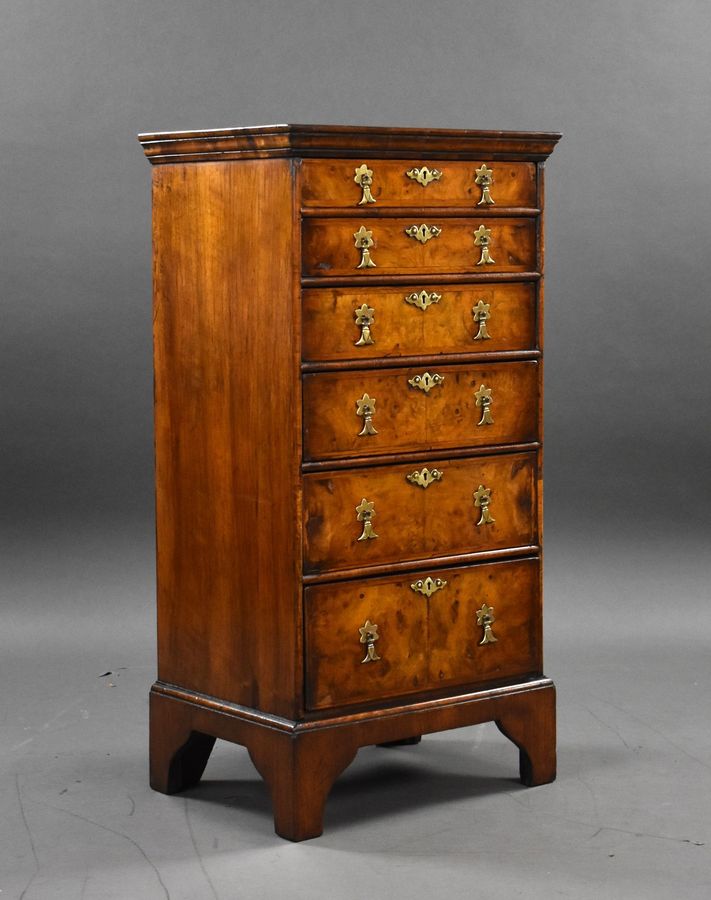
(366, 246)
(357, 323)
(381, 637)
(363, 413)
(375, 184)
(386, 514)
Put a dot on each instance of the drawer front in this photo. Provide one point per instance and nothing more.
(362, 247)
(346, 323)
(379, 515)
(464, 625)
(485, 624)
(347, 182)
(335, 647)
(370, 412)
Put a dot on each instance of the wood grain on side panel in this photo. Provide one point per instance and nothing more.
(227, 423)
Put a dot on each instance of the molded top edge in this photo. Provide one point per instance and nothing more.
(334, 140)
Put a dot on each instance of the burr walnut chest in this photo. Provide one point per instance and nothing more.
(348, 434)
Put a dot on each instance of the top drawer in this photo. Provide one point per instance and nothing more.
(373, 184)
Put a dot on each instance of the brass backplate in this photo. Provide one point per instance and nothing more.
(428, 586)
(481, 314)
(369, 635)
(423, 299)
(364, 179)
(482, 499)
(424, 477)
(425, 382)
(482, 239)
(365, 408)
(364, 316)
(423, 233)
(485, 178)
(485, 619)
(484, 400)
(364, 241)
(424, 176)
(364, 513)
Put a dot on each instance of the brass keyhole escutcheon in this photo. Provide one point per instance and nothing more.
(423, 299)
(368, 636)
(484, 401)
(485, 619)
(425, 477)
(481, 313)
(428, 586)
(423, 233)
(424, 176)
(364, 513)
(482, 239)
(482, 499)
(425, 382)
(364, 179)
(485, 178)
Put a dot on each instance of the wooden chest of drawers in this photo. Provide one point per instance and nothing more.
(348, 362)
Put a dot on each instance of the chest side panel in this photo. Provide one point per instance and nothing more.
(227, 430)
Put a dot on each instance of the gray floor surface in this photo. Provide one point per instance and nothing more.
(627, 641)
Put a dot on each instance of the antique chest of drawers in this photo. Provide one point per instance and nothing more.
(348, 372)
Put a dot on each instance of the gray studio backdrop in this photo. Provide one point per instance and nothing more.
(628, 494)
(628, 193)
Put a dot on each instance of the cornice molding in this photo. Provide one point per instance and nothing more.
(344, 141)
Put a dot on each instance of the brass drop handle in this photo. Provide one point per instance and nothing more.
(428, 586)
(482, 500)
(424, 477)
(364, 317)
(364, 513)
(368, 636)
(365, 408)
(485, 178)
(364, 241)
(485, 619)
(364, 179)
(484, 399)
(425, 382)
(482, 239)
(482, 313)
(424, 176)
(423, 233)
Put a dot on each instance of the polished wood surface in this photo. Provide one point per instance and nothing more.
(456, 654)
(414, 523)
(403, 329)
(330, 183)
(335, 672)
(292, 140)
(226, 455)
(329, 248)
(423, 642)
(407, 418)
(263, 584)
(301, 760)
